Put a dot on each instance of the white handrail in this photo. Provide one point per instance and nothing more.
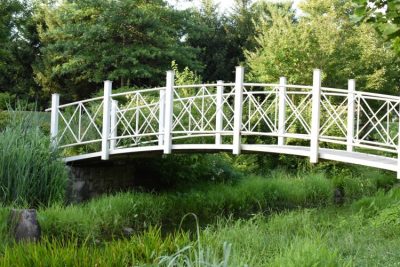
(351, 119)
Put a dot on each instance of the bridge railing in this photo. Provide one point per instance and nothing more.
(228, 115)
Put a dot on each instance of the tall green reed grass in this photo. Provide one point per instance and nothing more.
(31, 173)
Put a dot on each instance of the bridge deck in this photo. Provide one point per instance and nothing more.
(329, 154)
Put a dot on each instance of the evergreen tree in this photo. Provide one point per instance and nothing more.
(18, 49)
(130, 42)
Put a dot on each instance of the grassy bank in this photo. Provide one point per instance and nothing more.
(365, 233)
(105, 218)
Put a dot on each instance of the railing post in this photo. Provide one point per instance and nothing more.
(315, 116)
(398, 154)
(161, 117)
(114, 122)
(169, 109)
(239, 81)
(105, 148)
(55, 102)
(398, 148)
(350, 114)
(219, 112)
(281, 111)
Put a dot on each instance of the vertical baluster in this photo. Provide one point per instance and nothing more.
(137, 119)
(398, 144)
(350, 114)
(114, 124)
(169, 109)
(80, 121)
(105, 146)
(281, 111)
(239, 81)
(55, 102)
(219, 112)
(161, 117)
(315, 116)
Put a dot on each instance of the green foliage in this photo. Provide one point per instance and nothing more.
(30, 174)
(221, 38)
(181, 171)
(4, 119)
(384, 14)
(6, 100)
(135, 41)
(331, 236)
(145, 248)
(105, 218)
(18, 49)
(186, 76)
(302, 252)
(324, 37)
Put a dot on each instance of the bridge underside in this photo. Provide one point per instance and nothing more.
(359, 158)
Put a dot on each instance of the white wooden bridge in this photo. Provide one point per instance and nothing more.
(311, 121)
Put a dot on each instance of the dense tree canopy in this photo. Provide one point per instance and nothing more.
(323, 37)
(71, 46)
(384, 14)
(130, 42)
(18, 49)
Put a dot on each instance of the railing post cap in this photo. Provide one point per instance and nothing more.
(108, 81)
(220, 81)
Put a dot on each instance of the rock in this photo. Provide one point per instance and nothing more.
(128, 232)
(24, 225)
(338, 196)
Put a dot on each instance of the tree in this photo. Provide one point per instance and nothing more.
(222, 38)
(130, 42)
(206, 32)
(18, 49)
(323, 38)
(384, 14)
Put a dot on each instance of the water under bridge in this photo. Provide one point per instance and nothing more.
(313, 121)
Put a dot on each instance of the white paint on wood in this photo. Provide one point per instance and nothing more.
(239, 81)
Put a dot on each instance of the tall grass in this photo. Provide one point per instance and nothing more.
(31, 174)
(365, 233)
(106, 217)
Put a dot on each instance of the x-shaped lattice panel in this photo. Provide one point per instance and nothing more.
(80, 123)
(137, 121)
(333, 117)
(298, 108)
(377, 121)
(260, 111)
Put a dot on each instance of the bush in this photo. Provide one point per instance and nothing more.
(31, 174)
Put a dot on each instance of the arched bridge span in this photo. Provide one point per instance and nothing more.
(312, 121)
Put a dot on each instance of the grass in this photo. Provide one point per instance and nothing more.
(105, 218)
(363, 233)
(30, 173)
